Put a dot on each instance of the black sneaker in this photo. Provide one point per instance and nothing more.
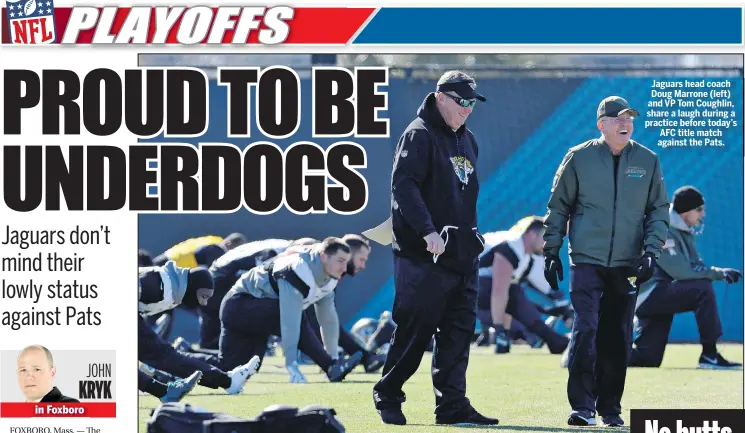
(342, 367)
(612, 420)
(581, 419)
(392, 416)
(483, 339)
(373, 362)
(717, 363)
(466, 417)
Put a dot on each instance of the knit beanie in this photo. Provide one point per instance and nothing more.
(687, 198)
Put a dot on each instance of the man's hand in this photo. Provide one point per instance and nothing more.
(644, 268)
(435, 244)
(296, 376)
(553, 270)
(731, 275)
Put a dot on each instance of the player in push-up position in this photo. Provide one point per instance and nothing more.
(226, 271)
(507, 259)
(371, 360)
(270, 300)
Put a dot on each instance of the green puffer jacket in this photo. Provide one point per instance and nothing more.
(612, 218)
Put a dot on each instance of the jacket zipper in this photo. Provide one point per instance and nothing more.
(615, 195)
(457, 148)
(462, 185)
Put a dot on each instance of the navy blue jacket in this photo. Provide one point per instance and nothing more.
(434, 184)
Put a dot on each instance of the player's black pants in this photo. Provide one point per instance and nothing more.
(209, 358)
(157, 353)
(209, 329)
(525, 312)
(430, 299)
(656, 317)
(247, 323)
(382, 335)
(149, 385)
(209, 315)
(604, 302)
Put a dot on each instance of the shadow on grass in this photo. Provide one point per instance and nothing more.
(703, 369)
(595, 429)
(354, 381)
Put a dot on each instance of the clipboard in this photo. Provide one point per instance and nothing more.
(382, 233)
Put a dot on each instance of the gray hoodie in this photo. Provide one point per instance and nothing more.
(679, 260)
(161, 288)
(301, 282)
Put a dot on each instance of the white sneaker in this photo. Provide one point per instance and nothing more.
(239, 375)
(565, 358)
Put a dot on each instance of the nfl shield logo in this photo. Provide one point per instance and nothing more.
(31, 22)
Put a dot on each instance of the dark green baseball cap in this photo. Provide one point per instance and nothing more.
(614, 106)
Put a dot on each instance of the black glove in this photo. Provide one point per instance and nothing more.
(552, 270)
(644, 268)
(731, 275)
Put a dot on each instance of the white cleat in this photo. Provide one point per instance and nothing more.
(239, 375)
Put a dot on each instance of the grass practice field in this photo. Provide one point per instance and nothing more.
(526, 390)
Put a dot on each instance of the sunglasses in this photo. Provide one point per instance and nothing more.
(619, 120)
(465, 103)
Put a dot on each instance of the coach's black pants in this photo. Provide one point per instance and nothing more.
(656, 317)
(525, 312)
(430, 300)
(247, 323)
(604, 302)
(157, 353)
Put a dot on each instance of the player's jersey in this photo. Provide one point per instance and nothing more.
(229, 267)
(526, 267)
(183, 253)
(510, 245)
(303, 271)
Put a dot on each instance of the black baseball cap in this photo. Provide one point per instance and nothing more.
(614, 106)
(465, 89)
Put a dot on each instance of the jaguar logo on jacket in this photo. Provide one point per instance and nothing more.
(462, 167)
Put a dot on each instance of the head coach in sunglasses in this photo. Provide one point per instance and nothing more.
(436, 245)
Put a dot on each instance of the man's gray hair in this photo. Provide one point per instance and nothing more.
(43, 349)
(454, 77)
